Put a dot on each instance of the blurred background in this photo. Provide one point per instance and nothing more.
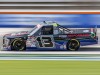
(51, 4)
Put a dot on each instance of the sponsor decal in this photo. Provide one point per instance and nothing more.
(78, 35)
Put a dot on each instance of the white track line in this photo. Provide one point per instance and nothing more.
(49, 52)
(49, 1)
(48, 5)
(56, 59)
(51, 59)
(45, 10)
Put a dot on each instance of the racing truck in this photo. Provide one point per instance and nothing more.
(50, 35)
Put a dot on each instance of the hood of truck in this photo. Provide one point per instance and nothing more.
(17, 34)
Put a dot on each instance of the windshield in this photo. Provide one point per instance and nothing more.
(33, 29)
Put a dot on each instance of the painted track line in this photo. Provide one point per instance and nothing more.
(53, 58)
(50, 52)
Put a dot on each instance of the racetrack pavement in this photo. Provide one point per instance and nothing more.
(50, 55)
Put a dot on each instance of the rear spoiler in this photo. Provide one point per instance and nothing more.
(95, 29)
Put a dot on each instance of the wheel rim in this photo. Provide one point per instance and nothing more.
(73, 45)
(18, 45)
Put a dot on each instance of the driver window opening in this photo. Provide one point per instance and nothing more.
(47, 30)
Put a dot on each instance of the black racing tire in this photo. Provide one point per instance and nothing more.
(18, 45)
(73, 45)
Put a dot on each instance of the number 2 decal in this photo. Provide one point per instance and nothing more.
(45, 41)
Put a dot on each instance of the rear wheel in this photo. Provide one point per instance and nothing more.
(73, 45)
(18, 44)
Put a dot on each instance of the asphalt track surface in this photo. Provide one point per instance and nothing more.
(85, 54)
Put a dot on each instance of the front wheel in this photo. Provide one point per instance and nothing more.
(73, 45)
(18, 44)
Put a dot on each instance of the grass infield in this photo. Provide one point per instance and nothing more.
(39, 67)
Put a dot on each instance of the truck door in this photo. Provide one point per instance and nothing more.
(46, 39)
